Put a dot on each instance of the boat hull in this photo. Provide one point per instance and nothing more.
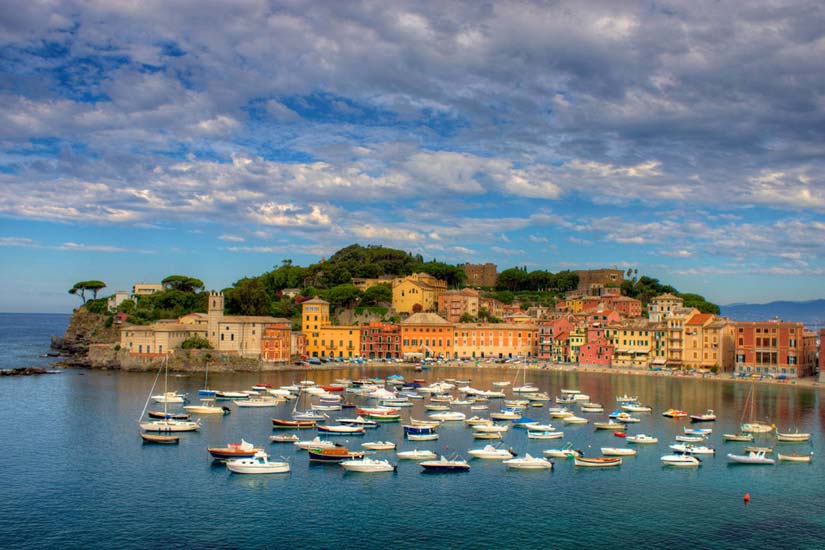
(598, 462)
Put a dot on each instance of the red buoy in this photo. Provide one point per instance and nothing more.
(747, 498)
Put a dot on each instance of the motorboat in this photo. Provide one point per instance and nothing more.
(422, 437)
(704, 432)
(524, 422)
(793, 457)
(681, 461)
(560, 412)
(636, 408)
(529, 463)
(618, 451)
(751, 458)
(478, 421)
(364, 411)
(308, 415)
(689, 438)
(565, 452)
(620, 434)
(756, 427)
(448, 416)
(489, 428)
(341, 430)
(501, 384)
(516, 404)
(437, 407)
(547, 434)
(425, 423)
(581, 397)
(160, 439)
(207, 406)
(493, 453)
(170, 397)
(569, 392)
(367, 465)
(541, 396)
(257, 464)
(642, 439)
(384, 417)
(599, 462)
(592, 409)
(626, 399)
(527, 388)
(574, 420)
(259, 402)
(793, 437)
(708, 416)
(687, 448)
(333, 454)
(479, 407)
(325, 407)
(284, 438)
(540, 428)
(753, 449)
(445, 465)
(488, 435)
(314, 443)
(234, 450)
(379, 445)
(565, 400)
(615, 426)
(230, 395)
(738, 437)
(293, 424)
(625, 418)
(674, 413)
(170, 426)
(358, 421)
(415, 454)
(506, 414)
(418, 430)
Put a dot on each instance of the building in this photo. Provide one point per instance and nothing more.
(638, 343)
(661, 306)
(709, 343)
(426, 335)
(145, 289)
(363, 284)
(291, 292)
(496, 340)
(547, 332)
(593, 281)
(157, 338)
(822, 355)
(775, 348)
(417, 292)
(454, 304)
(578, 338)
(323, 339)
(493, 307)
(276, 342)
(381, 341)
(481, 275)
(628, 307)
(675, 321)
(560, 347)
(598, 349)
(241, 334)
(116, 299)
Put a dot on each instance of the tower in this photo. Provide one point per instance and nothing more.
(214, 314)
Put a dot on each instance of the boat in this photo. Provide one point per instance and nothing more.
(689, 438)
(581, 397)
(308, 415)
(358, 421)
(687, 448)
(752, 426)
(284, 438)
(490, 452)
(367, 465)
(257, 464)
(506, 414)
(626, 399)
(445, 465)
(385, 417)
(766, 450)
(478, 407)
(430, 423)
(708, 416)
(206, 392)
(559, 412)
(449, 416)
(620, 434)
(681, 461)
(528, 388)
(322, 407)
(314, 443)
(525, 422)
(488, 435)
(674, 413)
(599, 462)
(489, 428)
(437, 407)
(169, 397)
(738, 437)
(341, 430)
(751, 458)
(418, 430)
(704, 432)
(615, 426)
(234, 450)
(160, 439)
(540, 428)
(230, 395)
(574, 420)
(570, 392)
(618, 451)
(548, 434)
(333, 454)
(564, 400)
(592, 409)
(165, 424)
(379, 445)
(207, 406)
(422, 437)
(294, 424)
(168, 416)
(642, 439)
(636, 407)
(756, 427)
(528, 463)
(565, 452)
(415, 454)
(792, 437)
(793, 457)
(500, 384)
(259, 402)
(478, 421)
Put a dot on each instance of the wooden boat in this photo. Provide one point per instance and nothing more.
(333, 454)
(565, 452)
(388, 417)
(618, 451)
(793, 437)
(738, 437)
(424, 437)
(599, 462)
(418, 430)
(341, 430)
(708, 416)
(545, 435)
(793, 457)
(445, 465)
(160, 439)
(234, 450)
(430, 423)
(294, 424)
(172, 416)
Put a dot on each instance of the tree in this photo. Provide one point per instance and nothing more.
(467, 318)
(196, 342)
(183, 283)
(81, 287)
(699, 302)
(345, 295)
(512, 279)
(247, 297)
(377, 294)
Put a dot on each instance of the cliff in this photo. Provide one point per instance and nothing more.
(85, 329)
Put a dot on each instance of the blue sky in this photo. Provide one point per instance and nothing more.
(683, 139)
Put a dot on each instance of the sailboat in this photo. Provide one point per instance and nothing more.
(752, 426)
(206, 392)
(525, 387)
(166, 424)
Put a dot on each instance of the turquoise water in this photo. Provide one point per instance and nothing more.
(76, 475)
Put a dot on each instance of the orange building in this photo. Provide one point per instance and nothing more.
(498, 340)
(629, 307)
(381, 341)
(276, 343)
(426, 335)
(775, 348)
(453, 304)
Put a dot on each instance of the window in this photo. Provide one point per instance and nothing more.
(222, 335)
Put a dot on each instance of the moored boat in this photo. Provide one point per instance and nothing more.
(314, 443)
(333, 454)
(207, 406)
(642, 439)
(170, 397)
(792, 437)
(687, 448)
(160, 439)
(548, 434)
(615, 426)
(445, 465)
(565, 452)
(379, 445)
(341, 430)
(415, 454)
(528, 463)
(243, 449)
(756, 427)
(493, 453)
(599, 462)
(170, 426)
(674, 413)
(708, 416)
(793, 457)
(738, 437)
(168, 416)
(257, 464)
(681, 461)
(284, 438)
(751, 458)
(449, 416)
(574, 420)
(422, 437)
(294, 424)
(367, 465)
(618, 451)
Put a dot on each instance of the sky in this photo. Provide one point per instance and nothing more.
(216, 139)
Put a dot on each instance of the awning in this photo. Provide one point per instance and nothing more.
(659, 361)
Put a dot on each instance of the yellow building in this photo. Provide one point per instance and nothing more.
(675, 321)
(426, 335)
(145, 289)
(497, 340)
(578, 338)
(709, 341)
(575, 304)
(661, 306)
(417, 292)
(362, 283)
(322, 338)
(638, 343)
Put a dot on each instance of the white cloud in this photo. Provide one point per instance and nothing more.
(231, 238)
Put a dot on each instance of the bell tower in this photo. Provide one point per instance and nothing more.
(214, 315)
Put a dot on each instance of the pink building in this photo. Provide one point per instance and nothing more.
(547, 332)
(598, 350)
(629, 307)
(603, 317)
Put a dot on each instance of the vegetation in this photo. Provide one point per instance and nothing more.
(519, 279)
(247, 297)
(80, 288)
(647, 288)
(182, 283)
(196, 342)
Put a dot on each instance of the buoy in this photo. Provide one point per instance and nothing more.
(747, 498)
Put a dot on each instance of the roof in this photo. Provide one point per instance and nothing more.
(625, 299)
(667, 296)
(496, 326)
(253, 319)
(699, 319)
(425, 318)
(315, 300)
(165, 327)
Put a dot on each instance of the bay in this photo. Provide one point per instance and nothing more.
(75, 473)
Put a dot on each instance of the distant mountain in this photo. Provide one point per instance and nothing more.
(811, 312)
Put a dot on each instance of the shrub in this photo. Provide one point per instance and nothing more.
(196, 342)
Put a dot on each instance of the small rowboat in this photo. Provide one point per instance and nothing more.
(738, 437)
(618, 451)
(173, 416)
(341, 430)
(294, 424)
(160, 439)
(601, 462)
(620, 434)
(793, 457)
(793, 436)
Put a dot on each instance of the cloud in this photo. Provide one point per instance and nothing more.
(17, 241)
(231, 238)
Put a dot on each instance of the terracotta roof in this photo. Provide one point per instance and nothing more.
(425, 318)
(263, 319)
(699, 319)
(667, 296)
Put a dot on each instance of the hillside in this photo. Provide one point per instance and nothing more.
(811, 312)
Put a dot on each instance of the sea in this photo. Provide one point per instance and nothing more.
(75, 473)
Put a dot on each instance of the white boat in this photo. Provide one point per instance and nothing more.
(500, 384)
(529, 388)
(228, 395)
(367, 465)
(559, 412)
(379, 445)
(681, 461)
(738, 437)
(541, 396)
(704, 432)
(516, 403)
(565, 400)
(308, 415)
(315, 443)
(489, 428)
(581, 397)
(687, 448)
(284, 438)
(258, 402)
(617, 426)
(490, 452)
(325, 407)
(592, 409)
(635, 407)
(751, 458)
(422, 437)
(708, 416)
(207, 406)
(792, 457)
(791, 437)
(570, 392)
(448, 416)
(425, 423)
(690, 438)
(258, 464)
(479, 407)
(445, 465)
(415, 454)
(625, 418)
(642, 439)
(169, 397)
(170, 426)
(340, 430)
(545, 435)
(626, 399)
(540, 428)
(565, 452)
(477, 421)
(487, 435)
(756, 427)
(574, 420)
(528, 463)
(358, 421)
(505, 415)
(618, 451)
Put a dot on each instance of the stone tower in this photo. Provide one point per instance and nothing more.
(214, 315)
